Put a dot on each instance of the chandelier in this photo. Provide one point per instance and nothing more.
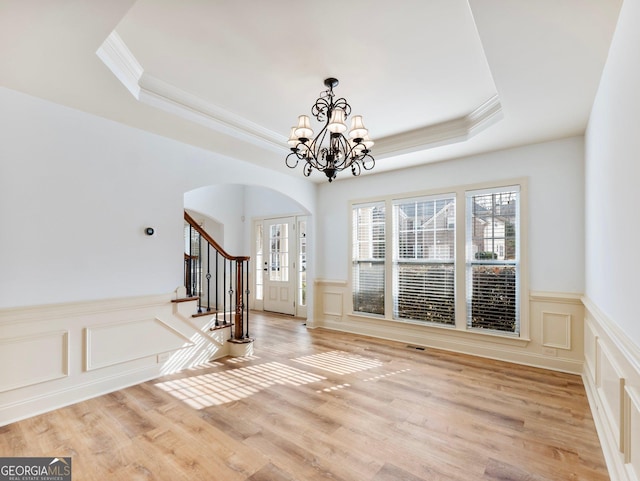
(330, 151)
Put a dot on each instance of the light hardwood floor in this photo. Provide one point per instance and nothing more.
(318, 405)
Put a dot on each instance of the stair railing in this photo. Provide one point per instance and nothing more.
(212, 275)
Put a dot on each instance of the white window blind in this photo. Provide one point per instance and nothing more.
(368, 256)
(493, 259)
(423, 259)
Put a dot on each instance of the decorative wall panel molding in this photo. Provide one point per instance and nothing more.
(62, 353)
(632, 432)
(555, 340)
(33, 359)
(110, 344)
(556, 330)
(611, 377)
(590, 350)
(332, 304)
(610, 386)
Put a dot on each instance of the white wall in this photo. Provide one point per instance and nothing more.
(225, 204)
(76, 192)
(612, 176)
(262, 202)
(556, 214)
(612, 333)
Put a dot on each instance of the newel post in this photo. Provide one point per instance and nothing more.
(239, 317)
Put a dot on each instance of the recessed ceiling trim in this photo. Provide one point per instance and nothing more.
(443, 133)
(118, 58)
(167, 97)
(485, 115)
(152, 91)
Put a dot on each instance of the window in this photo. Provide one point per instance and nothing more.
(492, 267)
(423, 259)
(368, 258)
(450, 258)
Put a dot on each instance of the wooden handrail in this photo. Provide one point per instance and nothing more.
(195, 275)
(210, 240)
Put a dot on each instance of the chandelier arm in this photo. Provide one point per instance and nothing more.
(355, 168)
(296, 157)
(307, 169)
(322, 109)
(342, 103)
(316, 149)
(343, 147)
(353, 153)
(371, 162)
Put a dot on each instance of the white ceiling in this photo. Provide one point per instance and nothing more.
(434, 79)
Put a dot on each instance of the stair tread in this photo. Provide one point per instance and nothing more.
(185, 299)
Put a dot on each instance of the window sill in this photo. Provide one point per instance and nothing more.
(444, 330)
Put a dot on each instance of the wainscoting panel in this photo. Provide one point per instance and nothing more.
(555, 329)
(632, 433)
(590, 350)
(332, 305)
(610, 386)
(110, 344)
(33, 359)
(65, 353)
(612, 380)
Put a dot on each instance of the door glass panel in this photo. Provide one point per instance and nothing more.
(302, 263)
(259, 261)
(279, 252)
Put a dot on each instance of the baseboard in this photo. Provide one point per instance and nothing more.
(45, 402)
(553, 339)
(66, 353)
(447, 340)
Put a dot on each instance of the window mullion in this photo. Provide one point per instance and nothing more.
(462, 231)
(389, 287)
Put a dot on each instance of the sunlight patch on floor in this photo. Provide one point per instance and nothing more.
(381, 376)
(206, 365)
(334, 388)
(339, 362)
(241, 359)
(286, 349)
(218, 388)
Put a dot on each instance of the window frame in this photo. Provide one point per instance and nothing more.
(383, 261)
(459, 192)
(397, 259)
(472, 260)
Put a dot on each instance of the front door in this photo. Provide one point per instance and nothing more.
(279, 281)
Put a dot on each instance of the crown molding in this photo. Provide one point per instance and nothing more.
(152, 91)
(162, 95)
(149, 90)
(443, 133)
(118, 58)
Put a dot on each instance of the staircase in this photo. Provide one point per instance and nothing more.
(218, 281)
